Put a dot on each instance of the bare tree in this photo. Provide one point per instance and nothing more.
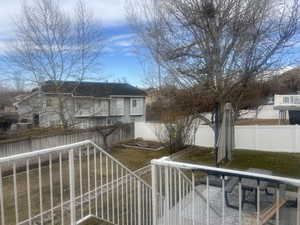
(51, 45)
(216, 47)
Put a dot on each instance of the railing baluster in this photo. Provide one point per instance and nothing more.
(89, 179)
(107, 190)
(175, 193)
(28, 191)
(127, 201)
(118, 204)
(240, 201)
(1, 198)
(258, 203)
(207, 200)
(101, 184)
(193, 198)
(15, 193)
(277, 203)
(61, 189)
(159, 168)
(122, 193)
(131, 200)
(298, 206)
(223, 200)
(95, 188)
(134, 201)
(180, 199)
(167, 196)
(72, 187)
(139, 199)
(171, 192)
(40, 190)
(80, 182)
(112, 192)
(147, 207)
(51, 188)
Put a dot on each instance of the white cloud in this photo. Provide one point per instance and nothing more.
(109, 12)
(121, 44)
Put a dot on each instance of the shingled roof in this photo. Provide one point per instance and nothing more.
(92, 89)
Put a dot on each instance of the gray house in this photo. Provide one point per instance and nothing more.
(82, 104)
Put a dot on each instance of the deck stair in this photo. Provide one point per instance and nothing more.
(268, 213)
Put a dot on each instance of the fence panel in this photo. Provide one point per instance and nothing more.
(36, 143)
(280, 138)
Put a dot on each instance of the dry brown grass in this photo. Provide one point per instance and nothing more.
(246, 122)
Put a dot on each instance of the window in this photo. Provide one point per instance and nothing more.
(101, 107)
(134, 104)
(286, 100)
(117, 106)
(137, 106)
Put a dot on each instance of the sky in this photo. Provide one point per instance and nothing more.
(118, 61)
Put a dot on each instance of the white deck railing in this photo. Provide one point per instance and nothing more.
(63, 185)
(224, 202)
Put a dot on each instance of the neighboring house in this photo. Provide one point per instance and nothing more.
(281, 107)
(288, 107)
(85, 104)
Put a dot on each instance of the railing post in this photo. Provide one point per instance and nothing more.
(139, 203)
(72, 187)
(298, 207)
(154, 192)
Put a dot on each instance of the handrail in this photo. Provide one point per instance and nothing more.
(42, 152)
(226, 172)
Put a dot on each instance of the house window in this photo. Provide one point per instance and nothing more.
(117, 106)
(134, 103)
(286, 100)
(137, 106)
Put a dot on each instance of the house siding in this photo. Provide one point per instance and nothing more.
(83, 112)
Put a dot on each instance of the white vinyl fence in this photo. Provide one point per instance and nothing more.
(264, 138)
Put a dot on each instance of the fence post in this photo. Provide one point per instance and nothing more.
(296, 135)
(255, 138)
(72, 187)
(139, 203)
(154, 192)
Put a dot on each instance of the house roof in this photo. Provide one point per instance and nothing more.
(92, 89)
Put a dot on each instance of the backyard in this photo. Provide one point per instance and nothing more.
(133, 159)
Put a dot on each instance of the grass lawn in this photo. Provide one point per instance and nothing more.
(249, 122)
(135, 159)
(282, 164)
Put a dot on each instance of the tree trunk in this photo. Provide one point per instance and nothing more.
(61, 113)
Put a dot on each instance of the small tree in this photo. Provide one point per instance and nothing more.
(106, 131)
(178, 126)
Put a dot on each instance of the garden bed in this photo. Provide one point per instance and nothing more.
(143, 145)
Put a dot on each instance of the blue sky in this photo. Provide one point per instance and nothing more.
(118, 61)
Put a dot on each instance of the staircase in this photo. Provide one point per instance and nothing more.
(82, 184)
(70, 185)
